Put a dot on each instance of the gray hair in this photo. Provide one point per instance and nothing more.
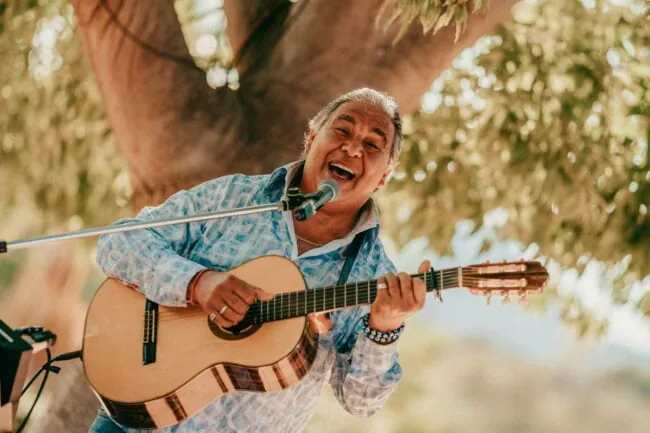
(377, 99)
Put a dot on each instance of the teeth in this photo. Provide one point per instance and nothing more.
(344, 168)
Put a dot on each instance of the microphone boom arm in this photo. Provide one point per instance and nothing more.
(294, 201)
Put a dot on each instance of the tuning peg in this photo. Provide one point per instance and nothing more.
(505, 297)
(488, 299)
(439, 297)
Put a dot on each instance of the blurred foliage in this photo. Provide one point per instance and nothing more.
(433, 15)
(548, 121)
(464, 387)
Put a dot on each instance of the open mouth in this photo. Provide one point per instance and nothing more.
(341, 171)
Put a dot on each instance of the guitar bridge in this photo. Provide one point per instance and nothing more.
(150, 332)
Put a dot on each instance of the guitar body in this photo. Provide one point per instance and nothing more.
(155, 366)
(195, 361)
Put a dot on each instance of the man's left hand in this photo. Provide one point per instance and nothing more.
(402, 297)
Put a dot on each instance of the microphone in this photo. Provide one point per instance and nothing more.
(328, 190)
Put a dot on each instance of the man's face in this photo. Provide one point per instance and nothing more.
(353, 147)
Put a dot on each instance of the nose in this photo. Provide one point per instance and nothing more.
(352, 147)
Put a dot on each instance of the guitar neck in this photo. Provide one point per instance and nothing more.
(297, 304)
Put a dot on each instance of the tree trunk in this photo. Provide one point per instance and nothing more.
(174, 131)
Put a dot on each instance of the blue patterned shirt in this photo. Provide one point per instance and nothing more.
(162, 261)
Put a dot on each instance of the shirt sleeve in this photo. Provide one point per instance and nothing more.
(365, 373)
(154, 260)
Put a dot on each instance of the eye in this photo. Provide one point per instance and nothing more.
(343, 131)
(372, 145)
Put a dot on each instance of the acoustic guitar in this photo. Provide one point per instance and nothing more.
(153, 366)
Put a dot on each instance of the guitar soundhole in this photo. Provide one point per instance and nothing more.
(237, 332)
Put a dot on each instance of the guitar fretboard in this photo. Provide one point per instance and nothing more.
(297, 304)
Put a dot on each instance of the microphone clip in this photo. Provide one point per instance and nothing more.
(301, 204)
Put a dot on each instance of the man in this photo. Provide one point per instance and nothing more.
(354, 140)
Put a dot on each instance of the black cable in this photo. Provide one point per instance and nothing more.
(40, 389)
(47, 367)
(67, 356)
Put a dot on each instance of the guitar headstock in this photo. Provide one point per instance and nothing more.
(505, 279)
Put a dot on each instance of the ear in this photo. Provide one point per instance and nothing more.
(309, 140)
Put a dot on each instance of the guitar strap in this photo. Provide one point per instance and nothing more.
(350, 254)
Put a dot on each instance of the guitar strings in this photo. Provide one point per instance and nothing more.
(337, 301)
(364, 295)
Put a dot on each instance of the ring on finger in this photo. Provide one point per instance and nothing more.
(382, 286)
(223, 309)
(212, 316)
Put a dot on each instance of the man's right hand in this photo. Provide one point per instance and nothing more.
(216, 290)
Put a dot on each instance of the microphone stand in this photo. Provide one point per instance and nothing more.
(18, 351)
(295, 200)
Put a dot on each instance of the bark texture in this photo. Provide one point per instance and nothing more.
(175, 132)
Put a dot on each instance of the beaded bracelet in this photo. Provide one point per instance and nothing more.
(378, 336)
